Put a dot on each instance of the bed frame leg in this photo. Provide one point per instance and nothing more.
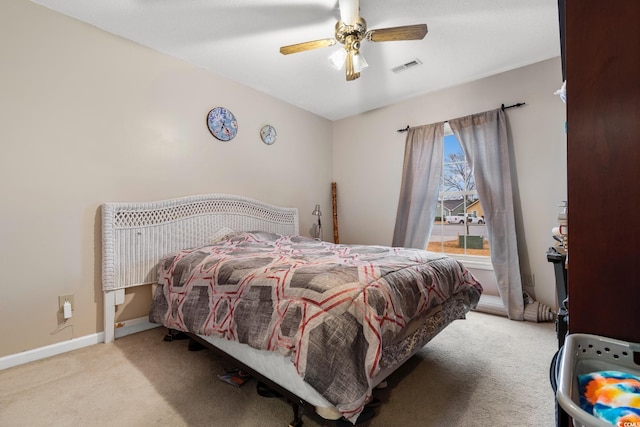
(297, 414)
(109, 316)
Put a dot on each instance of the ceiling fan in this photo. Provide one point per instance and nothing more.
(350, 30)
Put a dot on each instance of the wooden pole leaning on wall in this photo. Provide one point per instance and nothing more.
(336, 238)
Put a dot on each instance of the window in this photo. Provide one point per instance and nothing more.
(460, 229)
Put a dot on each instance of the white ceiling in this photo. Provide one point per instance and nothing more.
(240, 40)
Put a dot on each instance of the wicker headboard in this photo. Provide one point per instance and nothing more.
(135, 236)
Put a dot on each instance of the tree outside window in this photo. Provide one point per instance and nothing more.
(459, 226)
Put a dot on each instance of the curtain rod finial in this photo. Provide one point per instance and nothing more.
(519, 104)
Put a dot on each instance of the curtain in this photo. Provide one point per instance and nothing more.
(420, 185)
(483, 138)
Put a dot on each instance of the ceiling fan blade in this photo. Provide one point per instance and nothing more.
(407, 32)
(351, 73)
(301, 47)
(349, 11)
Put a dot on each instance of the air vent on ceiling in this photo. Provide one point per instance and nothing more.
(406, 66)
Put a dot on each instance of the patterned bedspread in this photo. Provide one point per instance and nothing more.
(330, 308)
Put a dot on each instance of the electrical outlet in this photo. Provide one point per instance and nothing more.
(63, 298)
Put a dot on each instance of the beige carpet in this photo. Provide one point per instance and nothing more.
(482, 371)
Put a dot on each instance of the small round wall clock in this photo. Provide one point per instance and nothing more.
(268, 134)
(222, 124)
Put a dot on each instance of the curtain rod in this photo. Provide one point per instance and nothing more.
(503, 107)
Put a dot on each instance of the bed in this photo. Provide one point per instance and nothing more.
(322, 323)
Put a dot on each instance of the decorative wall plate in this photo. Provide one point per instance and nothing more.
(222, 124)
(268, 134)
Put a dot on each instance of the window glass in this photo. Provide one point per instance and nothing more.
(459, 227)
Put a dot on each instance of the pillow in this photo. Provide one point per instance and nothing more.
(611, 396)
(220, 234)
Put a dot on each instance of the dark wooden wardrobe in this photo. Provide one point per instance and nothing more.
(602, 69)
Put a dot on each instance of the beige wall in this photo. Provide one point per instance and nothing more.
(368, 155)
(87, 117)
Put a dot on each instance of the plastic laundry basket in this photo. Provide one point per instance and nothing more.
(584, 354)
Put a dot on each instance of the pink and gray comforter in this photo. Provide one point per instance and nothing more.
(330, 308)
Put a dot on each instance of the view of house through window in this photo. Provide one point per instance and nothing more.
(460, 224)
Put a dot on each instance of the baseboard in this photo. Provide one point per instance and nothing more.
(50, 350)
(132, 326)
(125, 328)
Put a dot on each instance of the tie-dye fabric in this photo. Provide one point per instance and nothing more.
(611, 396)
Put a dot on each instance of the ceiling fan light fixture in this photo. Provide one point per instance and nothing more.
(359, 63)
(337, 58)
